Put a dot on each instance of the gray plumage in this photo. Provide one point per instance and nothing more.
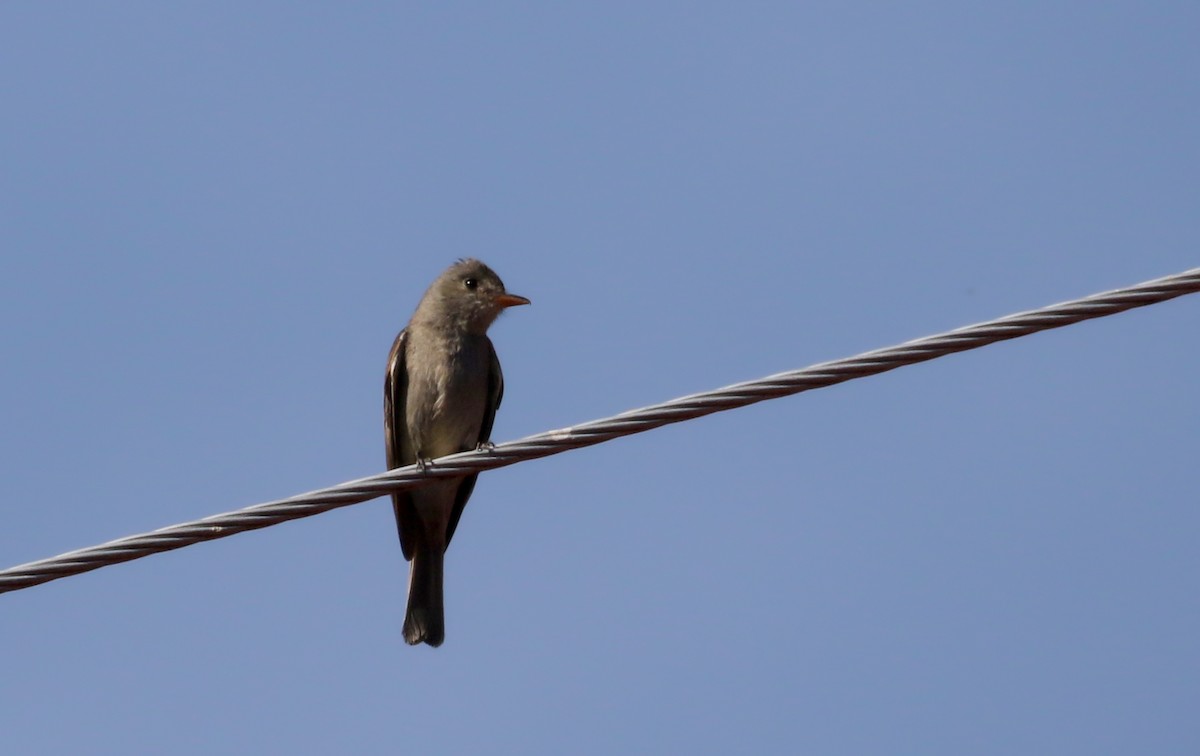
(441, 393)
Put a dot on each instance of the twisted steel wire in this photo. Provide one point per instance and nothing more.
(599, 431)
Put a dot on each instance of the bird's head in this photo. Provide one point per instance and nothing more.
(467, 296)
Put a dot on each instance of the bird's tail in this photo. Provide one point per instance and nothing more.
(425, 622)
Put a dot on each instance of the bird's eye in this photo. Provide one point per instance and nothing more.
(470, 283)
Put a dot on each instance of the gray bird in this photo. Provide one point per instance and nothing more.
(440, 396)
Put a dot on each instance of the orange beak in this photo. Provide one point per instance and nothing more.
(511, 300)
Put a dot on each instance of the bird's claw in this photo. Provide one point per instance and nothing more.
(423, 464)
(486, 446)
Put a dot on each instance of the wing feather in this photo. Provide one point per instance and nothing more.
(399, 445)
(495, 396)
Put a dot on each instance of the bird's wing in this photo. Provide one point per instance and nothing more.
(399, 446)
(495, 388)
(495, 394)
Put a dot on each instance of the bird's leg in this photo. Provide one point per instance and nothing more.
(423, 463)
(486, 446)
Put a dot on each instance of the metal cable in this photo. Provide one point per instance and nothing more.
(598, 431)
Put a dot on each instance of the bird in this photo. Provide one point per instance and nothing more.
(441, 392)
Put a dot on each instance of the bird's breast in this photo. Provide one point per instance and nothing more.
(447, 394)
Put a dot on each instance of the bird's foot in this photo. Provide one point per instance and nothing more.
(486, 446)
(423, 464)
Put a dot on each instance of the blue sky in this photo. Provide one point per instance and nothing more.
(215, 217)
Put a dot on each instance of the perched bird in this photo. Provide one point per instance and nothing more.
(440, 396)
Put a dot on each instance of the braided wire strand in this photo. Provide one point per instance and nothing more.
(598, 431)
